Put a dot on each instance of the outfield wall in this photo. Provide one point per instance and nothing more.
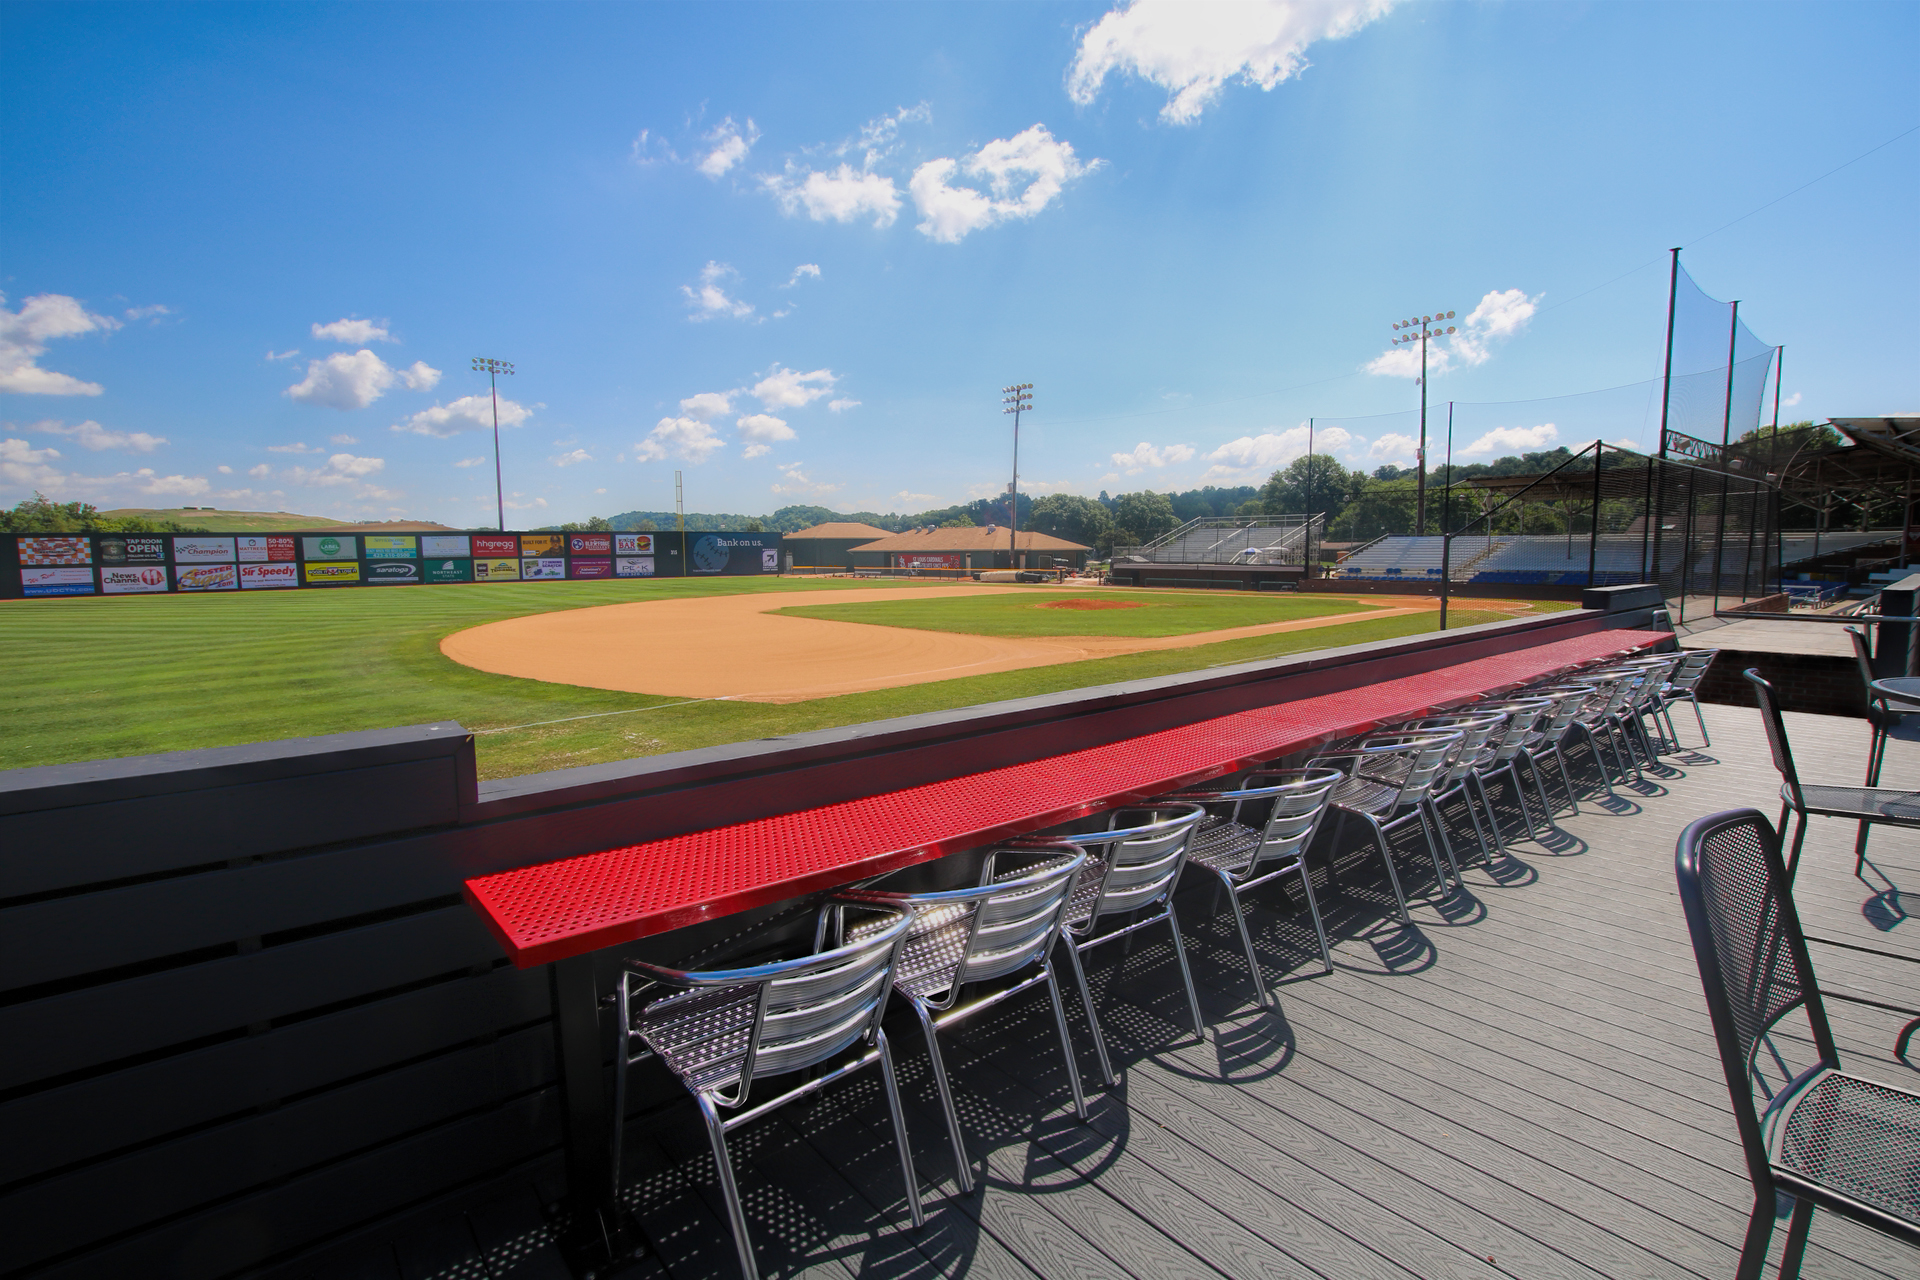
(89, 564)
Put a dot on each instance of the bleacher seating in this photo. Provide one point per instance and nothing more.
(1227, 540)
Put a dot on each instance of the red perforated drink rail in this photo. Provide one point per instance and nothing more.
(557, 909)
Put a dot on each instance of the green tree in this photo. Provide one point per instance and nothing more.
(39, 514)
(1069, 516)
(958, 522)
(1139, 518)
(754, 525)
(1286, 491)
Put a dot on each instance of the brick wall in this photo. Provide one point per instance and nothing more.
(1816, 682)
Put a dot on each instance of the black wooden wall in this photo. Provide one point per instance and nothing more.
(244, 1013)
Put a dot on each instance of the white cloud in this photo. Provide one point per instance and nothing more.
(1193, 50)
(1500, 315)
(1790, 401)
(711, 300)
(22, 464)
(708, 405)
(94, 437)
(877, 136)
(795, 481)
(468, 413)
(535, 505)
(1258, 456)
(343, 439)
(572, 459)
(1036, 488)
(800, 272)
(907, 498)
(762, 431)
(1144, 455)
(151, 312)
(1506, 440)
(1031, 161)
(341, 469)
(260, 472)
(288, 354)
(298, 446)
(1394, 448)
(355, 380)
(182, 486)
(729, 147)
(471, 462)
(353, 333)
(841, 406)
(785, 389)
(840, 196)
(687, 438)
(644, 146)
(224, 470)
(23, 340)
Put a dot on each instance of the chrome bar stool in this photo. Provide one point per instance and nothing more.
(1244, 851)
(1132, 869)
(722, 1029)
(1006, 924)
(1389, 778)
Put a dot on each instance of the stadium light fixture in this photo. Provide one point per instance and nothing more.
(1429, 327)
(1016, 399)
(493, 369)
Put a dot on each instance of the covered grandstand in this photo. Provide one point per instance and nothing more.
(1248, 552)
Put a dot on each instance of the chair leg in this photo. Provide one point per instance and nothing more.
(1566, 780)
(1793, 859)
(1066, 1044)
(1260, 993)
(1753, 1252)
(1479, 832)
(1860, 846)
(1433, 848)
(1093, 1019)
(1493, 820)
(1313, 909)
(1386, 856)
(900, 1130)
(1520, 797)
(1694, 698)
(963, 1167)
(1186, 974)
(729, 1191)
(1796, 1239)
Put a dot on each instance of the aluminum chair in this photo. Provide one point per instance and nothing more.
(1684, 686)
(1549, 733)
(1826, 1138)
(721, 1030)
(960, 936)
(1645, 703)
(1506, 749)
(1883, 713)
(1867, 804)
(1131, 870)
(1478, 726)
(1634, 684)
(1603, 695)
(1389, 780)
(1243, 855)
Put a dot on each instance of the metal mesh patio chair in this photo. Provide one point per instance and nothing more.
(721, 1030)
(1478, 725)
(1389, 780)
(1132, 869)
(1826, 1138)
(1866, 804)
(1883, 713)
(1243, 849)
(994, 930)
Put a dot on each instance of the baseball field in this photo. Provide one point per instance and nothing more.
(557, 674)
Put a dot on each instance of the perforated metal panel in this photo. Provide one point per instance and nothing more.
(558, 909)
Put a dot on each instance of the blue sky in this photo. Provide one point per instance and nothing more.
(794, 251)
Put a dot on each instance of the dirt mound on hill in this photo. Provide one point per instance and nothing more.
(1092, 604)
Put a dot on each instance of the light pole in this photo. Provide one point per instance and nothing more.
(494, 368)
(1017, 399)
(1420, 482)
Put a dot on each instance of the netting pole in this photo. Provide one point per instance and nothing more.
(1309, 538)
(1726, 449)
(1593, 533)
(1666, 400)
(1446, 518)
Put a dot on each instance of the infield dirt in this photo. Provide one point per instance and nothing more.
(733, 647)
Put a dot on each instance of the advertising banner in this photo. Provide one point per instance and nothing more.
(282, 574)
(203, 550)
(132, 579)
(56, 551)
(116, 549)
(449, 571)
(589, 544)
(550, 568)
(496, 570)
(590, 569)
(37, 580)
(388, 573)
(264, 546)
(389, 546)
(633, 544)
(206, 577)
(734, 553)
(329, 547)
(495, 544)
(445, 544)
(932, 561)
(337, 573)
(542, 544)
(633, 567)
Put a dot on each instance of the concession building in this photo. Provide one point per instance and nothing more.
(975, 547)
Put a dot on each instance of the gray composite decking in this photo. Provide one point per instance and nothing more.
(1522, 1084)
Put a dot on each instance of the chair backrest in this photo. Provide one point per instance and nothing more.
(1524, 716)
(985, 931)
(1298, 800)
(773, 1018)
(1476, 727)
(1568, 702)
(1776, 727)
(1863, 658)
(1752, 956)
(1139, 857)
(1416, 763)
(1693, 666)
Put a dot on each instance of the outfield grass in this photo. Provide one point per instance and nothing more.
(1159, 613)
(95, 678)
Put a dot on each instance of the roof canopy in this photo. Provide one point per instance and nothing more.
(841, 529)
(973, 538)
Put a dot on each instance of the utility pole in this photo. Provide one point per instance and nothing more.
(493, 368)
(1420, 482)
(1017, 399)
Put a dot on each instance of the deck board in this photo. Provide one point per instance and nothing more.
(1523, 1084)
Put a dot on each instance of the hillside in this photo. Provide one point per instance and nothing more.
(263, 521)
